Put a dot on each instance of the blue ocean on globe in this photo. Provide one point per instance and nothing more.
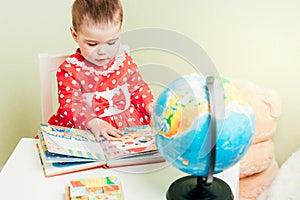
(181, 123)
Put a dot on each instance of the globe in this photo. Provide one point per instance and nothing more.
(181, 123)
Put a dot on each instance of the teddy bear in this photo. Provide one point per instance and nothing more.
(258, 167)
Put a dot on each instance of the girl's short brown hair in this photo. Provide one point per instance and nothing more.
(99, 11)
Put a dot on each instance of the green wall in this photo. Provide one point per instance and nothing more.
(256, 40)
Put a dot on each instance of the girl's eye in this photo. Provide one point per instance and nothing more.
(92, 44)
(111, 43)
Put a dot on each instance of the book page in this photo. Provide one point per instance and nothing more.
(55, 157)
(135, 141)
(72, 142)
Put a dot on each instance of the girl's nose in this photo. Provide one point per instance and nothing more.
(101, 50)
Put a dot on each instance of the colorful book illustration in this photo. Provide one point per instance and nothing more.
(64, 150)
(50, 157)
(71, 142)
(99, 188)
(136, 141)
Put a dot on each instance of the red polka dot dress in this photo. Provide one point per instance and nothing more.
(115, 93)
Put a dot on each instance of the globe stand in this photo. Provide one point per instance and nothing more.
(189, 188)
(201, 187)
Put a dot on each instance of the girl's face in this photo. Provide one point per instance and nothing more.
(98, 43)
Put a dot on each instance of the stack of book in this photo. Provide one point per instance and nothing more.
(64, 150)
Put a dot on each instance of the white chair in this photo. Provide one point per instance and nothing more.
(48, 67)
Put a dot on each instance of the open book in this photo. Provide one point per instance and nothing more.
(64, 150)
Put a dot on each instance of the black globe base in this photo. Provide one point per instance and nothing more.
(190, 188)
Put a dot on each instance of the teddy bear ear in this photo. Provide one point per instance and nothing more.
(268, 96)
(273, 101)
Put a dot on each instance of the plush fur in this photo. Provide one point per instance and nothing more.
(257, 159)
(258, 167)
(252, 186)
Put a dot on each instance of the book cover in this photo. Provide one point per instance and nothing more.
(94, 188)
(51, 169)
(65, 150)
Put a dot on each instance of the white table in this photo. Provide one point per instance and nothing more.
(22, 178)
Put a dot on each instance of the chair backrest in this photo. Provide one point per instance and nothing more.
(48, 66)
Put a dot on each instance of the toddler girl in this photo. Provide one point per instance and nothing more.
(99, 86)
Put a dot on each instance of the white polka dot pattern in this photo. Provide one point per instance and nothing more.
(80, 89)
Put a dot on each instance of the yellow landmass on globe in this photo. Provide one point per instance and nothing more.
(173, 117)
(180, 116)
(182, 110)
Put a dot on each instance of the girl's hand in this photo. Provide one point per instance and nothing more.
(100, 127)
(149, 108)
